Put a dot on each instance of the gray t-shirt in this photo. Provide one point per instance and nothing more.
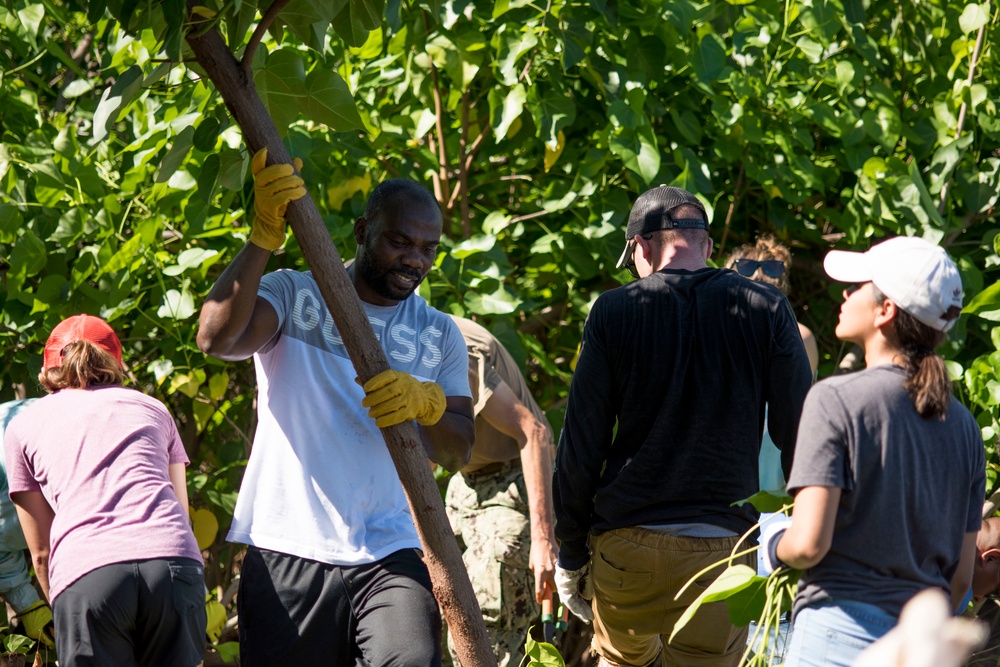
(912, 487)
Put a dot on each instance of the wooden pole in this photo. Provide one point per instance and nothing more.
(449, 578)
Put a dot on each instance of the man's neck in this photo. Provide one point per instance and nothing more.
(680, 258)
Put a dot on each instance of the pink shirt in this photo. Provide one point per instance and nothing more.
(100, 457)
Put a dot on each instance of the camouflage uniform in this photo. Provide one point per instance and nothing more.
(489, 512)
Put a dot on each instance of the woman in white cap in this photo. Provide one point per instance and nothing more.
(889, 469)
(97, 473)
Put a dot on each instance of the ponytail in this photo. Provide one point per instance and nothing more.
(927, 380)
(83, 365)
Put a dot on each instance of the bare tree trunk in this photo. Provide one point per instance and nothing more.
(444, 561)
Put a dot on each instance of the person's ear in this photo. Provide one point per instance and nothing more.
(885, 313)
(360, 227)
(708, 248)
(990, 555)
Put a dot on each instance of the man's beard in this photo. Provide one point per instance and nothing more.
(377, 273)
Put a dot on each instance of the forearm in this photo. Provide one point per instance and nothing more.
(229, 306)
(961, 581)
(810, 536)
(536, 463)
(41, 563)
(449, 442)
(798, 552)
(178, 479)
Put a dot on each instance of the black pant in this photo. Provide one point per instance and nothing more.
(295, 611)
(149, 612)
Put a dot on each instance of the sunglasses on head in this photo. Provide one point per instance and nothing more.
(772, 268)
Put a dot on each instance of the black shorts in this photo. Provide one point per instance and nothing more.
(149, 612)
(295, 611)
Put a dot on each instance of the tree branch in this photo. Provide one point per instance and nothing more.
(736, 198)
(258, 34)
(439, 128)
(965, 107)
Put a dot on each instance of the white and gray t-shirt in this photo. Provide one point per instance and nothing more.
(320, 483)
(912, 488)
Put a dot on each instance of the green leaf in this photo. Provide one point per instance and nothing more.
(281, 86)
(208, 176)
(747, 604)
(709, 58)
(217, 385)
(501, 7)
(767, 501)
(177, 305)
(505, 109)
(17, 643)
(207, 134)
(552, 112)
(161, 369)
(638, 152)
(114, 99)
(31, 16)
(734, 579)
(929, 208)
(471, 246)
(510, 43)
(500, 302)
(579, 253)
(542, 654)
(176, 155)
(811, 49)
(78, 87)
(974, 17)
(28, 257)
(124, 257)
(228, 651)
(10, 222)
(190, 259)
(329, 101)
(232, 169)
(986, 304)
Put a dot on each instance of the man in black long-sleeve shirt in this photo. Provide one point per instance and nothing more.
(682, 362)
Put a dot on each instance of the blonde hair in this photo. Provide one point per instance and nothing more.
(83, 365)
(766, 248)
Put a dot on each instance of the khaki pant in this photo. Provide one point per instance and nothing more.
(490, 513)
(636, 574)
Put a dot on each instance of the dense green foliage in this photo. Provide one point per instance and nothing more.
(830, 123)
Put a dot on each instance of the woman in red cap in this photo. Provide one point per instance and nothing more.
(97, 472)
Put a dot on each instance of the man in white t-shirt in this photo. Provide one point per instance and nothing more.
(333, 561)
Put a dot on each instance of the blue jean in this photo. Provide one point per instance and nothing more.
(832, 634)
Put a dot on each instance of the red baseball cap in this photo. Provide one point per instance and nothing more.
(80, 327)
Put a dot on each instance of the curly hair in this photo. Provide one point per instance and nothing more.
(766, 248)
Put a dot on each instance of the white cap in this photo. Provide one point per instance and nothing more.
(917, 275)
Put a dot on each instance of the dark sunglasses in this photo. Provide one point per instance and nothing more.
(852, 288)
(772, 268)
(631, 258)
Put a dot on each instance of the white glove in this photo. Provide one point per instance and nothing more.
(576, 591)
(769, 538)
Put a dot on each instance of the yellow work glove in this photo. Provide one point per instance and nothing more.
(37, 622)
(217, 617)
(393, 398)
(273, 188)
